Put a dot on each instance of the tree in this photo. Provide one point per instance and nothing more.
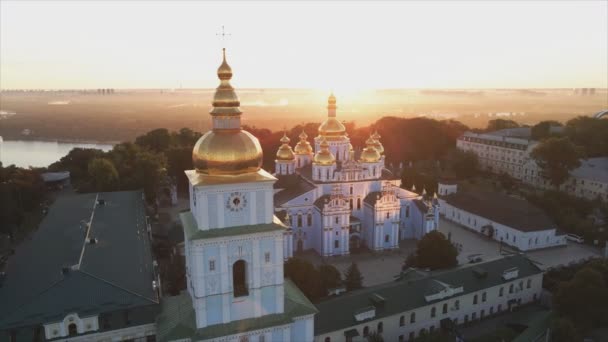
(465, 164)
(353, 278)
(583, 300)
(590, 134)
(304, 275)
(542, 130)
(435, 251)
(556, 157)
(148, 171)
(498, 124)
(562, 330)
(157, 140)
(329, 277)
(104, 176)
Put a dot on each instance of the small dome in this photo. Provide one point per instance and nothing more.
(285, 152)
(303, 146)
(377, 144)
(227, 153)
(370, 155)
(324, 156)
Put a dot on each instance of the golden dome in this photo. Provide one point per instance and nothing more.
(227, 152)
(285, 152)
(227, 149)
(370, 154)
(324, 156)
(377, 144)
(303, 146)
(331, 127)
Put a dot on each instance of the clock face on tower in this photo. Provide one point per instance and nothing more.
(236, 202)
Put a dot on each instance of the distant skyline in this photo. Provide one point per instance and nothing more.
(345, 46)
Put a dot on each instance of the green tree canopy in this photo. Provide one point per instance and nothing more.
(305, 276)
(329, 277)
(157, 140)
(562, 330)
(542, 130)
(556, 157)
(498, 124)
(465, 164)
(104, 176)
(590, 134)
(353, 278)
(583, 300)
(434, 251)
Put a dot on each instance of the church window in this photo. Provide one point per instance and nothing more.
(319, 174)
(211, 265)
(267, 257)
(374, 172)
(413, 317)
(239, 278)
(366, 331)
(501, 291)
(337, 244)
(445, 308)
(529, 283)
(475, 299)
(72, 329)
(380, 327)
(511, 288)
(386, 238)
(483, 297)
(299, 220)
(336, 233)
(401, 321)
(351, 204)
(457, 304)
(407, 211)
(351, 190)
(337, 219)
(433, 312)
(358, 203)
(262, 338)
(388, 215)
(309, 219)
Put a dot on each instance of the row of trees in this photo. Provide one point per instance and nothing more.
(580, 298)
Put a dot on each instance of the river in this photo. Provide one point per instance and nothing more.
(39, 153)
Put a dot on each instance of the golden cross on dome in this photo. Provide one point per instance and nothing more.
(223, 35)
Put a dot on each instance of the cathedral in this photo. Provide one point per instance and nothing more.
(244, 222)
(335, 199)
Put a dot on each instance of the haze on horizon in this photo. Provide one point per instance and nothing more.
(343, 46)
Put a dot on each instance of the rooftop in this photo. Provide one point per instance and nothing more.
(177, 320)
(404, 295)
(595, 169)
(291, 186)
(192, 232)
(57, 272)
(510, 211)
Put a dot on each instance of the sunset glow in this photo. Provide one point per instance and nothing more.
(342, 46)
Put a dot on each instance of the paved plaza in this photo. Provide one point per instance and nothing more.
(382, 267)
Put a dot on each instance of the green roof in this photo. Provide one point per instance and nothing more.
(404, 295)
(178, 321)
(56, 272)
(192, 232)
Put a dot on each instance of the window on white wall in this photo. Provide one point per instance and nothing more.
(212, 265)
(267, 257)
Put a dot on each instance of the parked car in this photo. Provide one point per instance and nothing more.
(575, 238)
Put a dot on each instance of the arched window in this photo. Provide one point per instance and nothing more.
(299, 220)
(445, 308)
(239, 278)
(483, 297)
(351, 190)
(366, 331)
(457, 304)
(351, 204)
(501, 291)
(433, 311)
(528, 283)
(328, 339)
(511, 288)
(475, 299)
(309, 219)
(72, 329)
(358, 203)
(380, 328)
(401, 321)
(413, 317)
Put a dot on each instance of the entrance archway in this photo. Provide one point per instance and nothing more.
(300, 246)
(72, 329)
(239, 278)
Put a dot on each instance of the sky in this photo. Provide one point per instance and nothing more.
(343, 45)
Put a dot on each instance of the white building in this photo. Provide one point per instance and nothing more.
(500, 152)
(589, 180)
(336, 199)
(234, 244)
(510, 220)
(419, 302)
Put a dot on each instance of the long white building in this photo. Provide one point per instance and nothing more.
(422, 303)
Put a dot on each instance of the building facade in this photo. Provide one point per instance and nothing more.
(234, 244)
(421, 303)
(335, 199)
